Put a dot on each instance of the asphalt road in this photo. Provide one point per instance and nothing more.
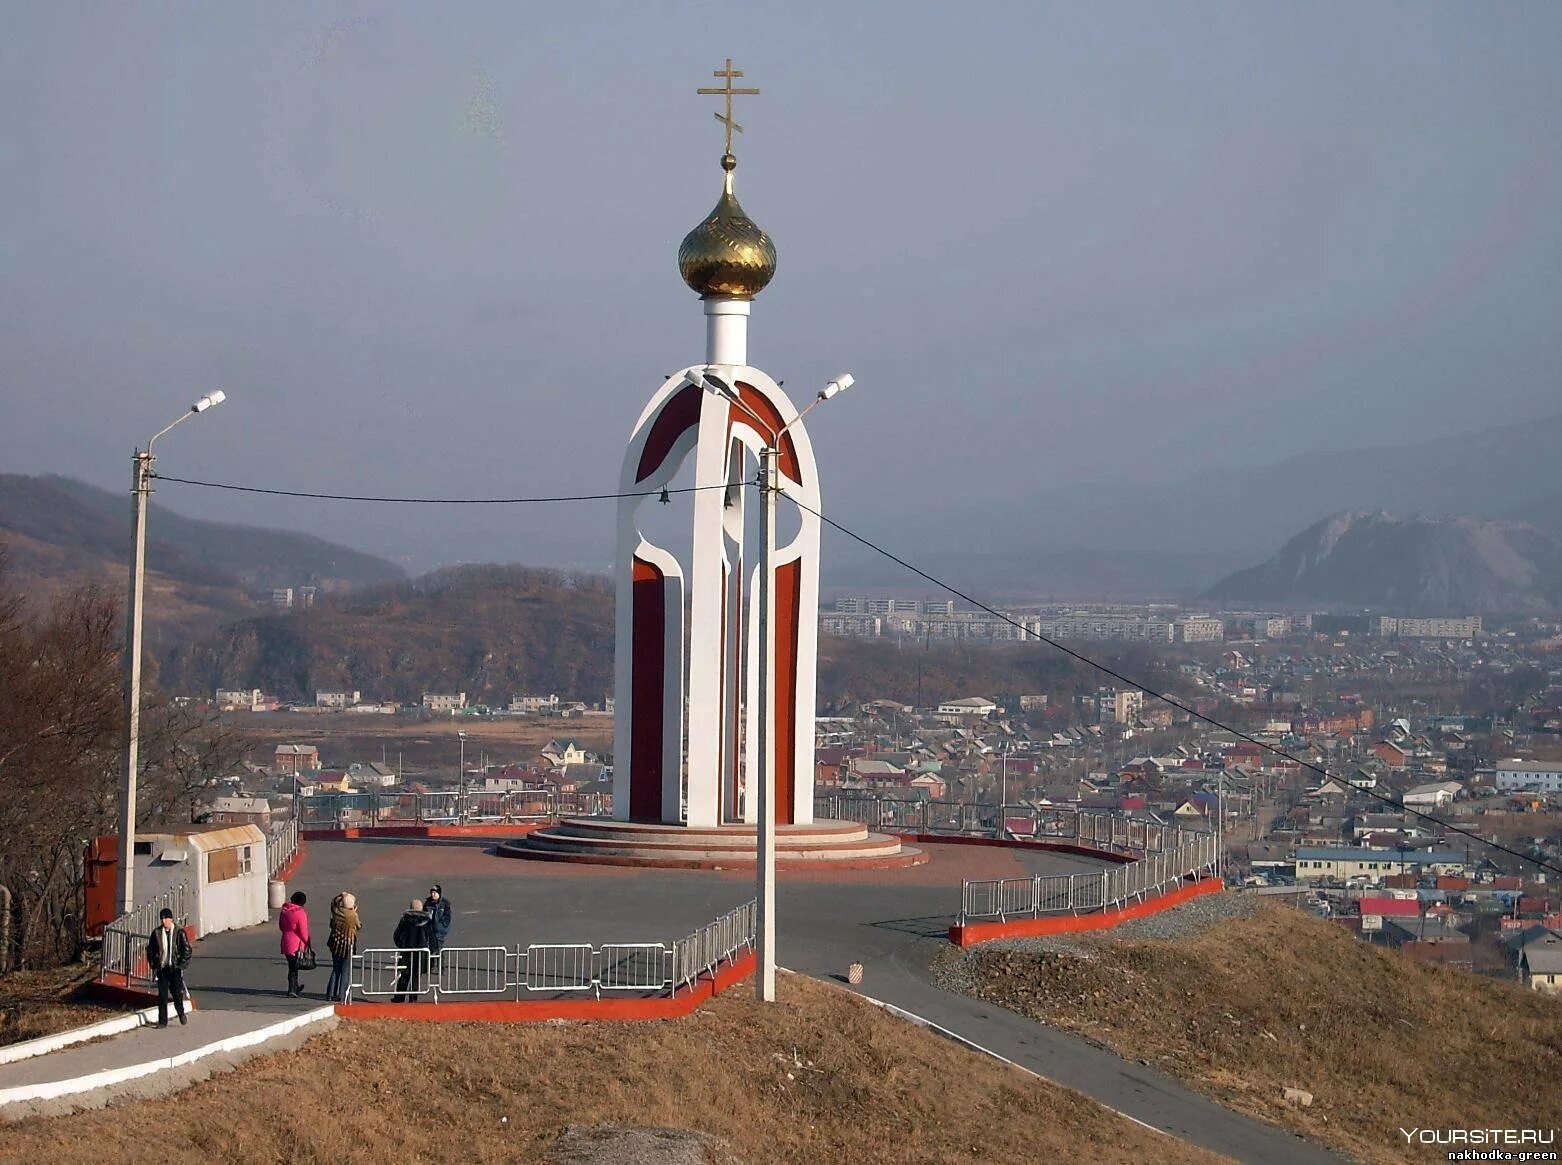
(891, 922)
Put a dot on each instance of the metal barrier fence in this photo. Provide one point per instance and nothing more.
(1151, 874)
(389, 973)
(359, 810)
(281, 846)
(124, 940)
(1104, 830)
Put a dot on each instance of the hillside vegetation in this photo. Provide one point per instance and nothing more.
(820, 1076)
(1279, 999)
(854, 670)
(490, 631)
(56, 533)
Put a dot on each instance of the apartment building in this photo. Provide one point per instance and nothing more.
(1513, 776)
(1118, 705)
(1466, 627)
(1197, 629)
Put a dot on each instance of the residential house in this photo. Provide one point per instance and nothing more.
(969, 706)
(373, 775)
(561, 752)
(1433, 796)
(1540, 963)
(289, 760)
(1511, 776)
(532, 705)
(1342, 863)
(1394, 755)
(237, 810)
(444, 701)
(239, 700)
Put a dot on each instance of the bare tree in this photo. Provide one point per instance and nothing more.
(61, 732)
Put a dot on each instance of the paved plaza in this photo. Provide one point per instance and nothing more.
(891, 921)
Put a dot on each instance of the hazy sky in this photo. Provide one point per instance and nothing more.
(431, 249)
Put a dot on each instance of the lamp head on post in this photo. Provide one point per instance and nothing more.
(215, 397)
(840, 384)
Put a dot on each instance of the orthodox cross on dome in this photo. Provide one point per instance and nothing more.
(729, 74)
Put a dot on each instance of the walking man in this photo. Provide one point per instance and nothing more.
(439, 918)
(168, 954)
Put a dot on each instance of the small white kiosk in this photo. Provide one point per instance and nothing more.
(224, 867)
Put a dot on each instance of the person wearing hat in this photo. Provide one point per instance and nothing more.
(438, 908)
(168, 954)
(343, 940)
(413, 940)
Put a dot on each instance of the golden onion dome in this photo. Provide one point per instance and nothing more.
(727, 254)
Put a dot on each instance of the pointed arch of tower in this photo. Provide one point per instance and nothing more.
(687, 704)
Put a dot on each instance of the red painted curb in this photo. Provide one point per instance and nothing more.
(416, 831)
(544, 1010)
(784, 865)
(286, 872)
(980, 932)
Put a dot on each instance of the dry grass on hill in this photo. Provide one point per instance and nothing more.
(1254, 1005)
(40, 1003)
(819, 1077)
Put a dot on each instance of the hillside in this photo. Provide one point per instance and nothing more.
(57, 532)
(819, 1076)
(1432, 565)
(490, 631)
(852, 671)
(1252, 998)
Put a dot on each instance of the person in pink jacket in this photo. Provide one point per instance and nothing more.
(294, 924)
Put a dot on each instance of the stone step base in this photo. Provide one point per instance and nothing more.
(836, 844)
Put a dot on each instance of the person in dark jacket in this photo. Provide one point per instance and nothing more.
(438, 908)
(168, 954)
(412, 937)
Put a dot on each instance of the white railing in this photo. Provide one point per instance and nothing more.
(281, 846)
(543, 969)
(124, 940)
(1151, 874)
(1098, 828)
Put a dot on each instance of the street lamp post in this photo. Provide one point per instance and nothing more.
(769, 484)
(140, 492)
(1003, 796)
(462, 775)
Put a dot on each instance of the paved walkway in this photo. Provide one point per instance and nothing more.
(148, 1061)
(891, 921)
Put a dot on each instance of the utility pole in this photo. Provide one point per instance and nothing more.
(140, 491)
(1003, 797)
(769, 486)
(1220, 824)
(765, 888)
(462, 775)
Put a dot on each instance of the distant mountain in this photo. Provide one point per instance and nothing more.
(1453, 565)
(1232, 505)
(490, 631)
(56, 531)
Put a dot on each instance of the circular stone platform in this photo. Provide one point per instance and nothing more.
(600, 841)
